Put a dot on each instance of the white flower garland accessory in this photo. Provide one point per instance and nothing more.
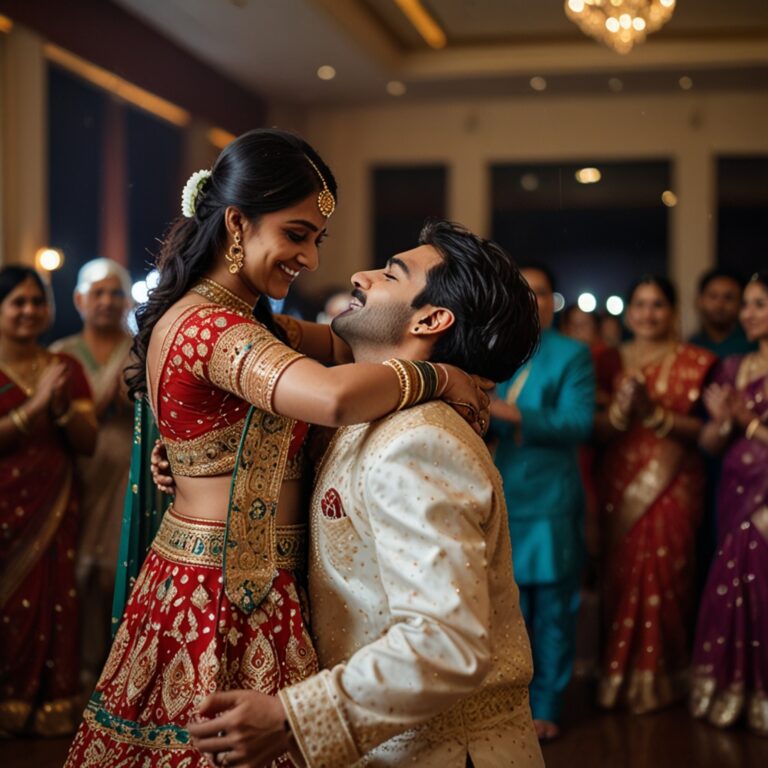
(191, 192)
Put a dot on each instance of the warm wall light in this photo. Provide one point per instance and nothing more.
(49, 259)
(6, 25)
(396, 88)
(219, 137)
(326, 72)
(588, 175)
(425, 24)
(538, 83)
(116, 85)
(669, 198)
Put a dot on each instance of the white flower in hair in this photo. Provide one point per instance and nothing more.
(191, 191)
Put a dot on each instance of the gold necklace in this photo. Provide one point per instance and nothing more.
(218, 294)
(26, 376)
(753, 366)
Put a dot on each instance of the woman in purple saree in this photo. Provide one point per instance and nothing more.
(730, 661)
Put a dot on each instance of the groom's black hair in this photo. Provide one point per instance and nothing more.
(497, 320)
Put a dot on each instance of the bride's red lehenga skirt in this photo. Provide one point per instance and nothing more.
(181, 639)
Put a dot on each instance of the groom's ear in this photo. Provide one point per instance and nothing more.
(430, 320)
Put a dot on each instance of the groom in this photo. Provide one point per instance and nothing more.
(415, 610)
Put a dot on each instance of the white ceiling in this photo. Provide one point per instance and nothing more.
(274, 47)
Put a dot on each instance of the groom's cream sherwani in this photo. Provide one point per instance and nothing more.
(414, 606)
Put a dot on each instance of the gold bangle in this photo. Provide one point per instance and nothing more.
(403, 380)
(752, 427)
(666, 426)
(441, 387)
(20, 420)
(656, 419)
(418, 381)
(65, 418)
(617, 418)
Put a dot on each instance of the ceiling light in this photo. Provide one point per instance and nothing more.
(620, 24)
(396, 88)
(588, 175)
(559, 301)
(615, 84)
(326, 72)
(685, 83)
(49, 259)
(424, 23)
(538, 83)
(529, 182)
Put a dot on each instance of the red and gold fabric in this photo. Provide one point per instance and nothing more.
(38, 598)
(181, 639)
(215, 605)
(652, 499)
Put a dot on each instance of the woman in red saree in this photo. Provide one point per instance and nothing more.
(46, 416)
(652, 493)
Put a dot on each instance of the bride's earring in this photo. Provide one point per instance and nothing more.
(235, 255)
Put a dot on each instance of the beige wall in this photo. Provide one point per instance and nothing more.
(23, 147)
(689, 129)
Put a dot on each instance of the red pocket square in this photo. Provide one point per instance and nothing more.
(332, 506)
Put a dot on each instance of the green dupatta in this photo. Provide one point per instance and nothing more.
(142, 511)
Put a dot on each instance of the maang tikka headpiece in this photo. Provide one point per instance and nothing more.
(326, 202)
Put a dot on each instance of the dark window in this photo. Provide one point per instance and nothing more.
(403, 197)
(742, 211)
(595, 237)
(75, 120)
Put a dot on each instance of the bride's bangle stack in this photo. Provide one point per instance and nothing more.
(419, 381)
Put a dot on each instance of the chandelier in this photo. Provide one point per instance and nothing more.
(620, 24)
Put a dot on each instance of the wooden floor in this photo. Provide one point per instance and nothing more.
(591, 739)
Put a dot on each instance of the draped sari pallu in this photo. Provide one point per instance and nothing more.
(215, 606)
(730, 660)
(652, 503)
(38, 597)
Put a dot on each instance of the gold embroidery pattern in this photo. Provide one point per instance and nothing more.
(317, 724)
(248, 360)
(218, 294)
(178, 683)
(296, 465)
(191, 543)
(291, 543)
(210, 454)
(259, 669)
(142, 671)
(250, 550)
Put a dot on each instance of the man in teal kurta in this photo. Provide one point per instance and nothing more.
(540, 418)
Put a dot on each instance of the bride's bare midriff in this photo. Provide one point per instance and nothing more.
(208, 497)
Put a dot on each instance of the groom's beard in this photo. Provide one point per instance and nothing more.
(373, 327)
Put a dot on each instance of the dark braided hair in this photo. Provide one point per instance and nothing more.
(262, 171)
